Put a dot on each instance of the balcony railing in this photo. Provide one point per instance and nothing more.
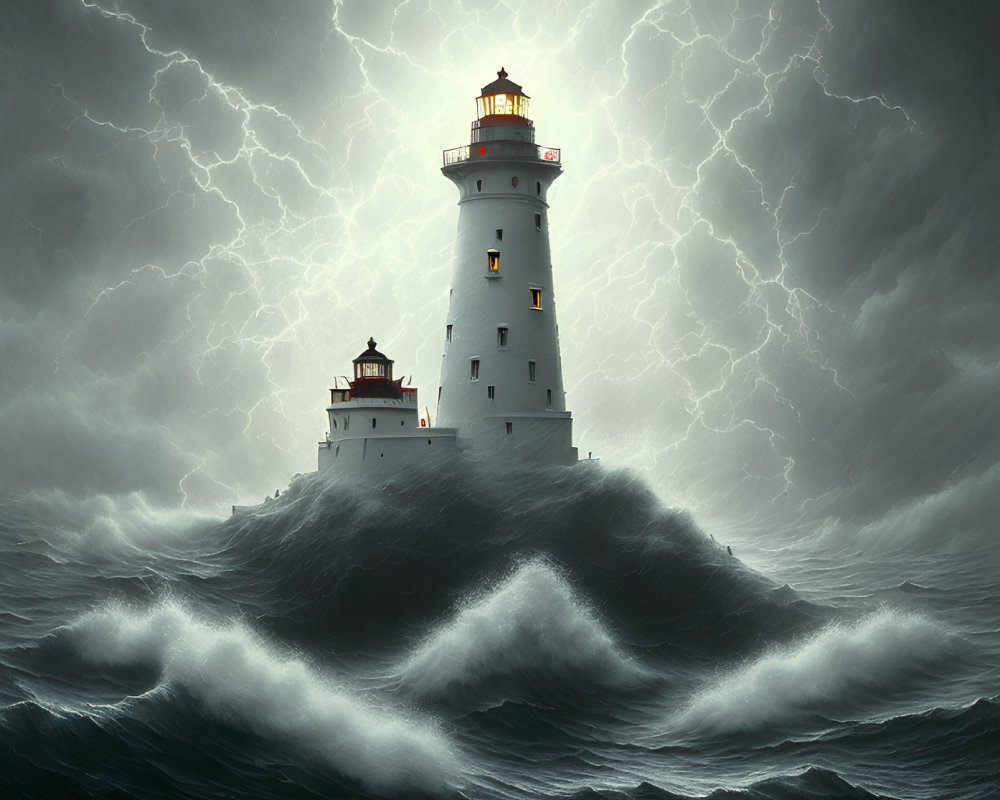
(456, 154)
(502, 150)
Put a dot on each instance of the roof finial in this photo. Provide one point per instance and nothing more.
(502, 73)
(371, 343)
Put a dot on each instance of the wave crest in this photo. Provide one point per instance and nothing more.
(842, 668)
(533, 623)
(238, 677)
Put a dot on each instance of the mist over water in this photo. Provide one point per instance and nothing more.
(774, 249)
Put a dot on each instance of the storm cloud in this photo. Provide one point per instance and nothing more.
(773, 245)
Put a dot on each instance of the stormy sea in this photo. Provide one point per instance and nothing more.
(488, 632)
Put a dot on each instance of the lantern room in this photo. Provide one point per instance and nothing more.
(372, 364)
(504, 99)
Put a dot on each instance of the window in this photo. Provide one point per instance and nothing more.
(538, 222)
(548, 397)
(538, 187)
(513, 181)
(536, 298)
(474, 369)
(439, 394)
(402, 422)
(374, 421)
(491, 393)
(531, 371)
(447, 333)
(501, 337)
(510, 427)
(493, 260)
(479, 185)
(499, 234)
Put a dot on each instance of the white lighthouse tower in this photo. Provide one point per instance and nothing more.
(501, 377)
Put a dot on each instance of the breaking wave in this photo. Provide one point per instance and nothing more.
(531, 624)
(241, 679)
(843, 669)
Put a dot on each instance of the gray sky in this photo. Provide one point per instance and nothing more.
(774, 243)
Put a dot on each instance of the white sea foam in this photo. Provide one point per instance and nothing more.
(532, 622)
(239, 677)
(829, 673)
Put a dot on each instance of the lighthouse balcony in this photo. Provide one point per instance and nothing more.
(502, 151)
(356, 395)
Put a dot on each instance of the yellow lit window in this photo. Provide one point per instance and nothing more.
(536, 298)
(493, 260)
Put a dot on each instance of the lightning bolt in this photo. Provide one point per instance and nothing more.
(317, 228)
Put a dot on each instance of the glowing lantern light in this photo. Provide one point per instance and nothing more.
(502, 98)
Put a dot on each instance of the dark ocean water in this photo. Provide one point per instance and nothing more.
(486, 633)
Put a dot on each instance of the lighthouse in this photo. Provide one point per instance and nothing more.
(501, 392)
(501, 384)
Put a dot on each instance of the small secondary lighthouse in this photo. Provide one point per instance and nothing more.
(501, 377)
(375, 422)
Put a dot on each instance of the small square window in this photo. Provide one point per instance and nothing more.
(447, 333)
(531, 371)
(538, 222)
(491, 393)
(536, 298)
(501, 337)
(474, 369)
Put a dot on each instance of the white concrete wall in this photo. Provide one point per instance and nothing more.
(396, 440)
(382, 455)
(481, 302)
(354, 417)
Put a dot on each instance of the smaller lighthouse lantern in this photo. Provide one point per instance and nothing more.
(372, 364)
